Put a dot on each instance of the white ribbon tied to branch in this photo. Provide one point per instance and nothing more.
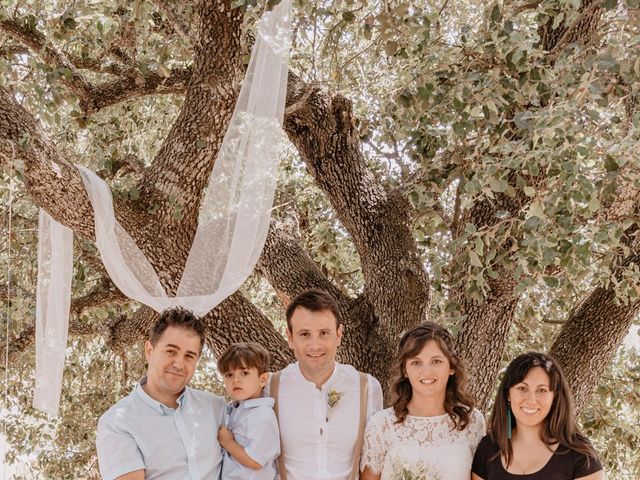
(234, 215)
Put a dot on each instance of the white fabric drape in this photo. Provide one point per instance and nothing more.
(236, 209)
(53, 300)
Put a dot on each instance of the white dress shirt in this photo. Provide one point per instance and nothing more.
(318, 441)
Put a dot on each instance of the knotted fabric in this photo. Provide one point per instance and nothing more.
(232, 225)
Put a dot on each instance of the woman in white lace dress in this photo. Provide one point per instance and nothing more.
(432, 429)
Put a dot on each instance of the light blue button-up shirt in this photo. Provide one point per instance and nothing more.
(255, 427)
(139, 432)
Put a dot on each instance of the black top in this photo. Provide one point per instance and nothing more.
(564, 464)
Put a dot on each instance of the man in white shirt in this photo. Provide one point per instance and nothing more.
(321, 404)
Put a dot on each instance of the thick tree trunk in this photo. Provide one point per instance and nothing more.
(591, 336)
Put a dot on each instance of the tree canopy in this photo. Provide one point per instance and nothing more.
(472, 163)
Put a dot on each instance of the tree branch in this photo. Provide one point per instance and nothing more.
(290, 269)
(234, 320)
(199, 129)
(174, 20)
(323, 130)
(104, 294)
(117, 91)
(591, 336)
(36, 41)
(576, 31)
(53, 182)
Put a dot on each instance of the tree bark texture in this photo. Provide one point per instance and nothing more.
(321, 125)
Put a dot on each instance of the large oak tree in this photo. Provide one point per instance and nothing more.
(476, 165)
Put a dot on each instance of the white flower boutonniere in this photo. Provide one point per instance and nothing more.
(333, 398)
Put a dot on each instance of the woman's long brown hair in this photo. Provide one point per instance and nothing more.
(559, 425)
(457, 403)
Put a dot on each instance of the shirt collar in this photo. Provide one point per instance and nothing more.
(255, 402)
(300, 377)
(155, 404)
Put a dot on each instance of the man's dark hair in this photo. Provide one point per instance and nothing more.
(315, 300)
(244, 355)
(177, 317)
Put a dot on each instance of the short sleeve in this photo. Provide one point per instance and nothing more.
(118, 452)
(477, 429)
(264, 436)
(484, 452)
(373, 449)
(374, 400)
(584, 465)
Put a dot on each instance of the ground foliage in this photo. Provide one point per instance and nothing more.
(456, 103)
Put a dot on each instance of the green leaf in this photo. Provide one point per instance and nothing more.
(551, 281)
(498, 185)
(610, 4)
(474, 259)
(496, 14)
(391, 48)
(610, 164)
(479, 246)
(367, 31)
(536, 210)
(134, 194)
(348, 16)
(557, 20)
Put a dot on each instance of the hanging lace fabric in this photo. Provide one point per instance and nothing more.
(53, 299)
(235, 212)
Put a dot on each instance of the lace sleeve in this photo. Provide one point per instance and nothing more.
(373, 449)
(477, 429)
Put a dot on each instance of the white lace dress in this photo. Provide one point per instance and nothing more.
(421, 448)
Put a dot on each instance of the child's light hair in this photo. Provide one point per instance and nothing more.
(244, 355)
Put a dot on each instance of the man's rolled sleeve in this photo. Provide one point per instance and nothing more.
(118, 452)
(264, 435)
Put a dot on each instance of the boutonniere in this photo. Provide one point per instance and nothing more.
(333, 398)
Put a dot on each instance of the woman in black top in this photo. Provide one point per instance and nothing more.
(533, 431)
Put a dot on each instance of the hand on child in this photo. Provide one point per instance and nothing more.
(224, 436)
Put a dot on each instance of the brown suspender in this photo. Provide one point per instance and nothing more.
(273, 391)
(364, 390)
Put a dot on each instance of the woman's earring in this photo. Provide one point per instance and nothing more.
(509, 420)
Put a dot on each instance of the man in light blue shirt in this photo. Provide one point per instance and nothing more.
(164, 430)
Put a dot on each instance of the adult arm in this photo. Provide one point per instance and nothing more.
(374, 402)
(239, 454)
(137, 475)
(485, 450)
(594, 476)
(373, 449)
(118, 453)
(587, 467)
(367, 474)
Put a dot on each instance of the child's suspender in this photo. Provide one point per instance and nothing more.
(364, 400)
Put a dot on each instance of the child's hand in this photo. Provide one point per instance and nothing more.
(224, 436)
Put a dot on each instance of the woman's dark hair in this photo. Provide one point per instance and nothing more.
(560, 423)
(244, 355)
(457, 402)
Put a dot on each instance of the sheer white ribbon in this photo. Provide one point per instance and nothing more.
(53, 299)
(236, 209)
